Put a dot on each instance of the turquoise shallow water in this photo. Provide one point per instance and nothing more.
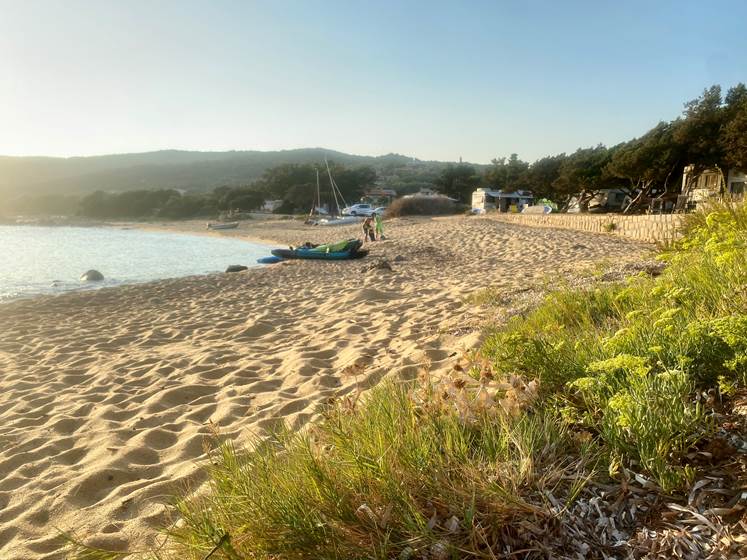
(47, 260)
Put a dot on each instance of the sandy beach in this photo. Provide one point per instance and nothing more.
(107, 396)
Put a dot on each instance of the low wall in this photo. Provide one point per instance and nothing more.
(652, 228)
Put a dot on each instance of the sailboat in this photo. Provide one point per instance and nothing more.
(336, 218)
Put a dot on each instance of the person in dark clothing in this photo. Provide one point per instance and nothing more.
(368, 229)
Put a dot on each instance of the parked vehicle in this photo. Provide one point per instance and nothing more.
(380, 210)
(358, 210)
(339, 221)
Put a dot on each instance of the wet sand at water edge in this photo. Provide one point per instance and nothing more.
(107, 396)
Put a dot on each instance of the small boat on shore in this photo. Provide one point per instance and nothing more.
(225, 225)
(349, 249)
(340, 221)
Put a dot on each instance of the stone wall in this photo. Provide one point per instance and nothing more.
(653, 228)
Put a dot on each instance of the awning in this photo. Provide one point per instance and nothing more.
(512, 195)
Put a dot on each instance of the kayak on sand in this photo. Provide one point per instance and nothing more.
(348, 249)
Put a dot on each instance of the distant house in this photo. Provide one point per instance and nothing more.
(486, 199)
(379, 196)
(271, 205)
(712, 184)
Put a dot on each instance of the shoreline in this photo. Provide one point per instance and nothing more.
(108, 394)
(191, 227)
(152, 228)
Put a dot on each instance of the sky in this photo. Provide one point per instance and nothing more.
(429, 79)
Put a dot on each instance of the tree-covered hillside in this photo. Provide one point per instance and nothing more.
(172, 169)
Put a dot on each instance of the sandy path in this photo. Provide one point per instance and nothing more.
(106, 397)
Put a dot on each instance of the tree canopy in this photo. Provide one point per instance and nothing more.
(712, 131)
(734, 132)
(651, 159)
(506, 174)
(458, 181)
(540, 176)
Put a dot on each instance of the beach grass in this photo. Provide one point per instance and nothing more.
(385, 479)
(594, 384)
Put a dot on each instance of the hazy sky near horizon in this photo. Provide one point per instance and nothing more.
(430, 79)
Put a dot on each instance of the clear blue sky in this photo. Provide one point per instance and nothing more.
(436, 80)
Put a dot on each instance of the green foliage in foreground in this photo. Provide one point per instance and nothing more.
(625, 359)
(409, 473)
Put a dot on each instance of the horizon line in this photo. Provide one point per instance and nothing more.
(212, 151)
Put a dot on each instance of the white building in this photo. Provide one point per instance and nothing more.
(484, 200)
(712, 184)
(271, 205)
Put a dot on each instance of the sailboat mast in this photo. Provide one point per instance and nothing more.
(318, 193)
(316, 201)
(335, 189)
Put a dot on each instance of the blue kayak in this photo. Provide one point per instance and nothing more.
(349, 249)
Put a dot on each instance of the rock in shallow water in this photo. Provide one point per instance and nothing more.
(91, 276)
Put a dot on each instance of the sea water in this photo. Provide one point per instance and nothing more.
(48, 260)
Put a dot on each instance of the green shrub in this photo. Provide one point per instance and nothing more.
(555, 342)
(642, 417)
(634, 352)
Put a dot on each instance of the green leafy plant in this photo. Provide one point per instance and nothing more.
(633, 352)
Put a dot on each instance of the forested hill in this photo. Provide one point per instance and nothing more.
(191, 171)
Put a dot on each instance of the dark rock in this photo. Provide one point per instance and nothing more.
(91, 276)
(237, 268)
(399, 258)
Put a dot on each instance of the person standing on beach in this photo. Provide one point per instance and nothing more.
(368, 230)
(379, 226)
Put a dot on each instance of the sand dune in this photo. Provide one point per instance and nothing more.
(106, 397)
